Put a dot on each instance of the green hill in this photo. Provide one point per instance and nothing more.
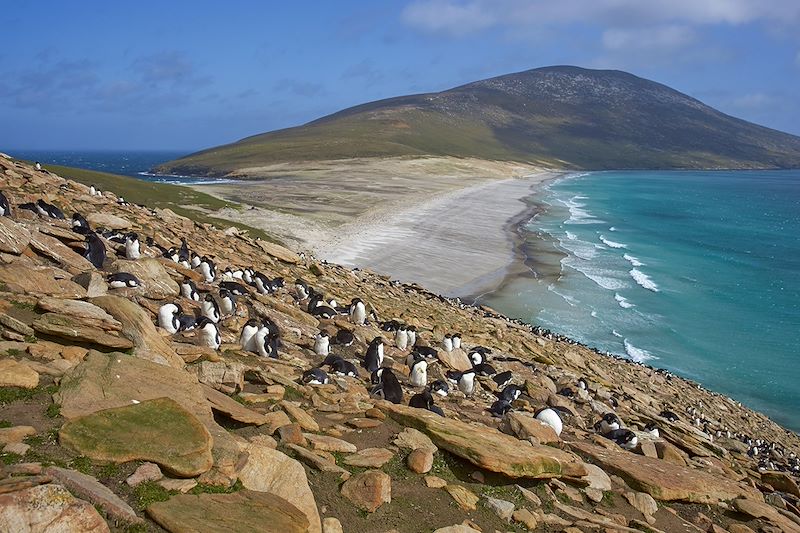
(563, 116)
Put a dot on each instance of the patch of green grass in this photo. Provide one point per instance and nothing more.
(31, 339)
(108, 470)
(15, 394)
(23, 305)
(150, 492)
(502, 492)
(5, 424)
(445, 466)
(608, 498)
(291, 394)
(82, 464)
(134, 528)
(36, 440)
(10, 458)
(396, 467)
(202, 488)
(53, 410)
(13, 352)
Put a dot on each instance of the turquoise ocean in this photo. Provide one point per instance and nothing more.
(695, 272)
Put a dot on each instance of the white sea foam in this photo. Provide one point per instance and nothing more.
(602, 277)
(637, 354)
(594, 314)
(577, 213)
(581, 249)
(571, 236)
(612, 244)
(612, 228)
(614, 332)
(644, 280)
(634, 261)
(572, 301)
(622, 301)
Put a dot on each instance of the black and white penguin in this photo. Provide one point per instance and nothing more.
(411, 332)
(49, 210)
(168, 317)
(401, 338)
(387, 386)
(550, 417)
(456, 339)
(315, 376)
(193, 261)
(322, 344)
(447, 343)
(301, 289)
(373, 360)
(510, 393)
(484, 369)
(426, 351)
(189, 289)
(358, 312)
(80, 224)
(344, 337)
(184, 256)
(464, 380)
(390, 326)
(37, 166)
(418, 377)
(5, 209)
(424, 400)
(209, 334)
(95, 250)
(234, 287)
(207, 269)
(246, 338)
(503, 378)
(92, 190)
(476, 357)
(172, 254)
(262, 283)
(343, 367)
(132, 250)
(122, 280)
(652, 429)
(669, 415)
(227, 303)
(319, 309)
(209, 308)
(500, 408)
(625, 438)
(609, 422)
(440, 388)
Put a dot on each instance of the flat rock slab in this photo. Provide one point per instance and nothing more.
(329, 444)
(72, 329)
(48, 508)
(222, 403)
(274, 472)
(279, 252)
(159, 430)
(14, 374)
(21, 278)
(59, 252)
(14, 238)
(662, 480)
(107, 220)
(369, 458)
(78, 309)
(244, 511)
(488, 448)
(88, 488)
(368, 490)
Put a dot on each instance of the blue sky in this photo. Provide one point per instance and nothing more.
(191, 74)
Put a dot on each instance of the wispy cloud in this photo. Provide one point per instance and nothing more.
(661, 37)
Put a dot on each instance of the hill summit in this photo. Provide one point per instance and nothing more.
(562, 117)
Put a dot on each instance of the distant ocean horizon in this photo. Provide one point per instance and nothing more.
(695, 272)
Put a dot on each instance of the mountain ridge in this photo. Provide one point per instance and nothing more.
(558, 117)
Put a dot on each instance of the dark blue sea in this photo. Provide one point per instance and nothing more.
(696, 272)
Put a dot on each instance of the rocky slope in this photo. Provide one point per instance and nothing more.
(108, 422)
(559, 117)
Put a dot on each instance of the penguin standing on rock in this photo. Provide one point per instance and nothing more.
(550, 417)
(440, 388)
(315, 376)
(401, 338)
(464, 380)
(374, 357)
(424, 400)
(418, 377)
(610, 422)
(387, 386)
(322, 344)
(358, 312)
(95, 250)
(189, 289)
(209, 334)
(500, 408)
(625, 438)
(411, 332)
(210, 308)
(5, 209)
(168, 317)
(80, 224)
(132, 250)
(235, 288)
(227, 303)
(302, 289)
(246, 338)
(447, 343)
(456, 337)
(207, 269)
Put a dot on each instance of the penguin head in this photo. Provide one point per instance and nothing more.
(377, 341)
(252, 323)
(323, 334)
(355, 301)
(208, 298)
(133, 237)
(224, 293)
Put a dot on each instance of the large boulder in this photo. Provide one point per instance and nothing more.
(107, 220)
(159, 430)
(662, 480)
(368, 490)
(21, 278)
(487, 448)
(14, 374)
(88, 488)
(73, 329)
(59, 252)
(274, 472)
(529, 428)
(103, 381)
(279, 252)
(14, 238)
(245, 510)
(156, 282)
(47, 508)
(138, 327)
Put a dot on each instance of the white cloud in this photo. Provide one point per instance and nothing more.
(660, 37)
(460, 17)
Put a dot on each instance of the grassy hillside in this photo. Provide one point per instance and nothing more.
(567, 117)
(159, 195)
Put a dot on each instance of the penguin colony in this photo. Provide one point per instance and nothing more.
(228, 294)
